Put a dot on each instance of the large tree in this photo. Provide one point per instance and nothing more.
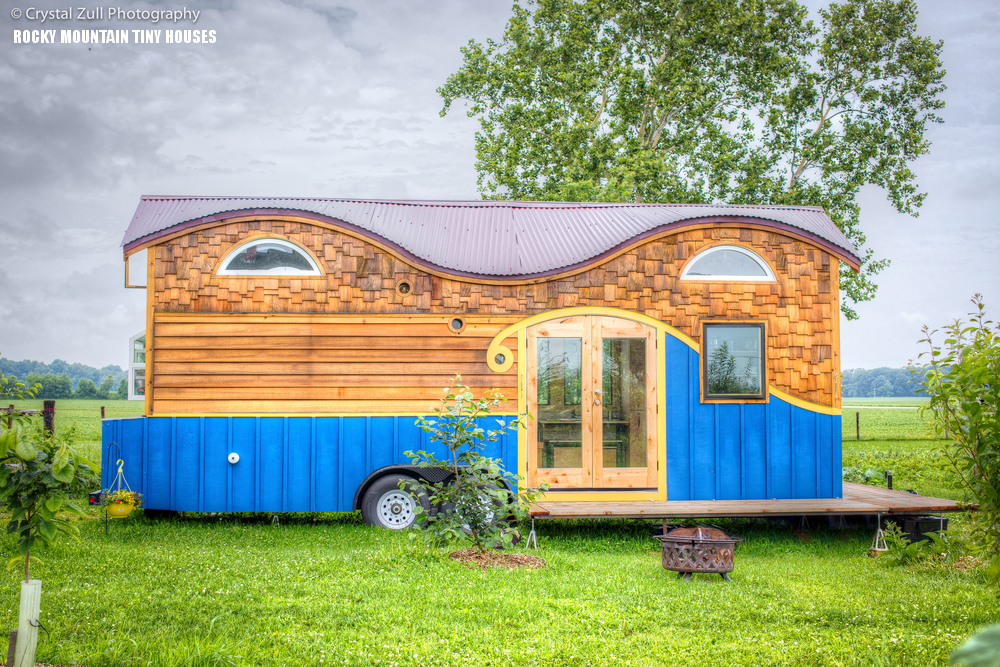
(738, 101)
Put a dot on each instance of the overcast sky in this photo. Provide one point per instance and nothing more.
(324, 99)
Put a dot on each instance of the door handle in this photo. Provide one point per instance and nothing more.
(597, 402)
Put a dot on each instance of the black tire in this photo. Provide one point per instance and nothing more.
(387, 506)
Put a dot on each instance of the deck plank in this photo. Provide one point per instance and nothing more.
(858, 499)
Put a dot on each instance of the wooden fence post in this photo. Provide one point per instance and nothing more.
(102, 412)
(10, 417)
(49, 414)
(857, 424)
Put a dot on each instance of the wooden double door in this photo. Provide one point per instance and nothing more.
(591, 389)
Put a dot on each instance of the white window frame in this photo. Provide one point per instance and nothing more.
(767, 277)
(133, 366)
(278, 270)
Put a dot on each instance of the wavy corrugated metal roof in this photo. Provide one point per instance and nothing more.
(496, 239)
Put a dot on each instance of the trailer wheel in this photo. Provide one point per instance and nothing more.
(387, 506)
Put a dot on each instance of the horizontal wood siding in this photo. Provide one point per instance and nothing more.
(726, 451)
(287, 464)
(800, 308)
(315, 364)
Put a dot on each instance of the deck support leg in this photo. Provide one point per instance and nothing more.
(532, 536)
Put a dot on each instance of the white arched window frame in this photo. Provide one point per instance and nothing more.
(768, 275)
(313, 269)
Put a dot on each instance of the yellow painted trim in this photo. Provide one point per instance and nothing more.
(799, 403)
(496, 348)
(522, 405)
(597, 496)
(661, 420)
(429, 413)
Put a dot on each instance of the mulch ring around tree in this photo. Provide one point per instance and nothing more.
(473, 557)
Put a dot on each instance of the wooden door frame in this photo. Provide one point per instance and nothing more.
(500, 359)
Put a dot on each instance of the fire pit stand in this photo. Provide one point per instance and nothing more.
(699, 549)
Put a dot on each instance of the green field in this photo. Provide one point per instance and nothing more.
(324, 589)
(885, 424)
(85, 416)
(905, 401)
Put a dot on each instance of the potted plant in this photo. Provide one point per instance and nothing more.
(120, 503)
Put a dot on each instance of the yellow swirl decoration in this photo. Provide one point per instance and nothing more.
(496, 351)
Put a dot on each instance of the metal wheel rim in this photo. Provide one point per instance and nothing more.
(396, 509)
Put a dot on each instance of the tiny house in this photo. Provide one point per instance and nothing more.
(664, 352)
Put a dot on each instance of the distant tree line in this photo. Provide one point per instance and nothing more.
(63, 380)
(858, 382)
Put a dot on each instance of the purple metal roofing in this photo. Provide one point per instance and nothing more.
(493, 239)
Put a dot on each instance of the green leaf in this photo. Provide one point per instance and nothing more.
(47, 530)
(54, 503)
(25, 450)
(63, 458)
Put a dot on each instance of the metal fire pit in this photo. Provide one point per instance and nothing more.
(699, 549)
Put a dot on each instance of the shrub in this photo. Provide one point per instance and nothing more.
(474, 504)
(963, 383)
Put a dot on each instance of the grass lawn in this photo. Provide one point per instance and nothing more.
(327, 590)
(214, 592)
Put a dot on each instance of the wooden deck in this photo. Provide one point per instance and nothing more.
(858, 499)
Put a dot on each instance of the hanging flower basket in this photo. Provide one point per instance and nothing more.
(119, 504)
(119, 510)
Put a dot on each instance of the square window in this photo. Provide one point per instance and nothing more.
(733, 361)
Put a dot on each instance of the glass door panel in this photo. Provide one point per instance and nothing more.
(559, 415)
(623, 397)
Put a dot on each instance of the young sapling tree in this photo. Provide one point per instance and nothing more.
(38, 470)
(475, 503)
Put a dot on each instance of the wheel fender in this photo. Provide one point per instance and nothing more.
(417, 472)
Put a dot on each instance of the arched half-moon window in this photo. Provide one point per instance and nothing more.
(266, 257)
(727, 262)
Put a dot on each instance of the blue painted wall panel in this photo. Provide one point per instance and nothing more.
(271, 470)
(354, 454)
(754, 452)
(159, 470)
(729, 434)
(244, 473)
(824, 449)
(298, 471)
(836, 457)
(327, 465)
(216, 468)
(703, 451)
(678, 415)
(187, 463)
(779, 450)
(804, 454)
(380, 443)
